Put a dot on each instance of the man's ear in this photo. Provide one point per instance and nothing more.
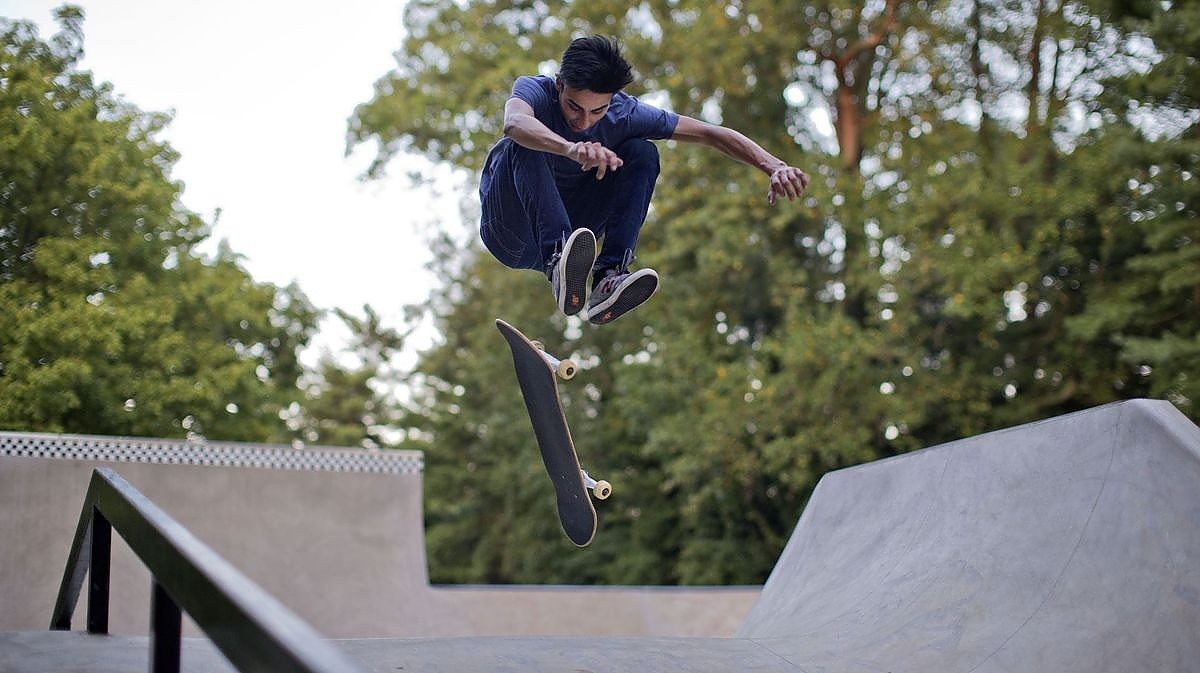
(558, 83)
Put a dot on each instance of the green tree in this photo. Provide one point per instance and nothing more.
(1028, 251)
(993, 235)
(344, 405)
(1147, 306)
(114, 324)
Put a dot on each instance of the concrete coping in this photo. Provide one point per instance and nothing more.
(209, 453)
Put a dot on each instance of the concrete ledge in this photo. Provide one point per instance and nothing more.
(218, 454)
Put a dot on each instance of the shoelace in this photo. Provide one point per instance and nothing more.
(609, 283)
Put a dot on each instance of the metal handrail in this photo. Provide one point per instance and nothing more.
(253, 630)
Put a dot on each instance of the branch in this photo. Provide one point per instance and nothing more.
(873, 40)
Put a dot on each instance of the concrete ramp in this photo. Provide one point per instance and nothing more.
(1071, 544)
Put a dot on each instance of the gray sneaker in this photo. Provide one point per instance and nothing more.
(619, 293)
(570, 268)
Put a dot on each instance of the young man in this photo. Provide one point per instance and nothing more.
(576, 164)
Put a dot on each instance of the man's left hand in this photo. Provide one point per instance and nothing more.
(787, 181)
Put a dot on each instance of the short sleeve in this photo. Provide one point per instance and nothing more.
(532, 91)
(651, 123)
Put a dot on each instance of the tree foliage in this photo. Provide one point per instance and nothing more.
(344, 405)
(1001, 228)
(113, 323)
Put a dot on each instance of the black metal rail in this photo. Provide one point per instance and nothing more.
(252, 629)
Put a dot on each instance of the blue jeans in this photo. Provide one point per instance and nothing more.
(527, 215)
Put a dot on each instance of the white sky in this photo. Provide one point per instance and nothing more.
(261, 91)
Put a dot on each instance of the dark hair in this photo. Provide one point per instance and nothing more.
(595, 63)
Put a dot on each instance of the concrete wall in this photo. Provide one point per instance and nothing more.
(337, 535)
(313, 535)
(593, 611)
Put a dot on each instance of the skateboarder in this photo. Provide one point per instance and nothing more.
(576, 164)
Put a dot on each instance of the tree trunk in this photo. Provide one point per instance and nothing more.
(848, 124)
(1033, 90)
(849, 98)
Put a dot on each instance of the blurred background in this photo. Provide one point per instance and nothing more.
(1001, 227)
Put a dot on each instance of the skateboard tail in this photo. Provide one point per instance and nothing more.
(580, 536)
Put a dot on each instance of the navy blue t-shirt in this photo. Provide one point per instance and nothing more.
(626, 118)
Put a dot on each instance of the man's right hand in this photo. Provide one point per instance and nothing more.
(594, 155)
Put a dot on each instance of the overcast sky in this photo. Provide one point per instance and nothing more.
(261, 92)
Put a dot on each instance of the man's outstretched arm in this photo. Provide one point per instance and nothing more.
(524, 128)
(786, 180)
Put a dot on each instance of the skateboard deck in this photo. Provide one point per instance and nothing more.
(537, 374)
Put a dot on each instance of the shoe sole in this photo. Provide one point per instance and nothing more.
(641, 286)
(573, 268)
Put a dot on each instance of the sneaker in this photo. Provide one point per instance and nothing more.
(569, 271)
(619, 293)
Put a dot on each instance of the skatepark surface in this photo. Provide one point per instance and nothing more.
(1071, 544)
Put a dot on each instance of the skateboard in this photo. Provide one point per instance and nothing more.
(538, 373)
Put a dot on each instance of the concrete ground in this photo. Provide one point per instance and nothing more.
(74, 652)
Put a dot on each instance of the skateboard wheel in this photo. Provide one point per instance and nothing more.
(538, 345)
(566, 370)
(602, 490)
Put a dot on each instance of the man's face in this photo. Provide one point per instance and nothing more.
(580, 107)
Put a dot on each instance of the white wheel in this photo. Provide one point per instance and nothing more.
(567, 369)
(538, 345)
(602, 490)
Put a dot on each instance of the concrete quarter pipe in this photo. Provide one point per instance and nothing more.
(1067, 545)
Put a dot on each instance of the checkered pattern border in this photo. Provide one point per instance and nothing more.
(218, 454)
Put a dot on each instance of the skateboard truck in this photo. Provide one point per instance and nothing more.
(601, 489)
(564, 368)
